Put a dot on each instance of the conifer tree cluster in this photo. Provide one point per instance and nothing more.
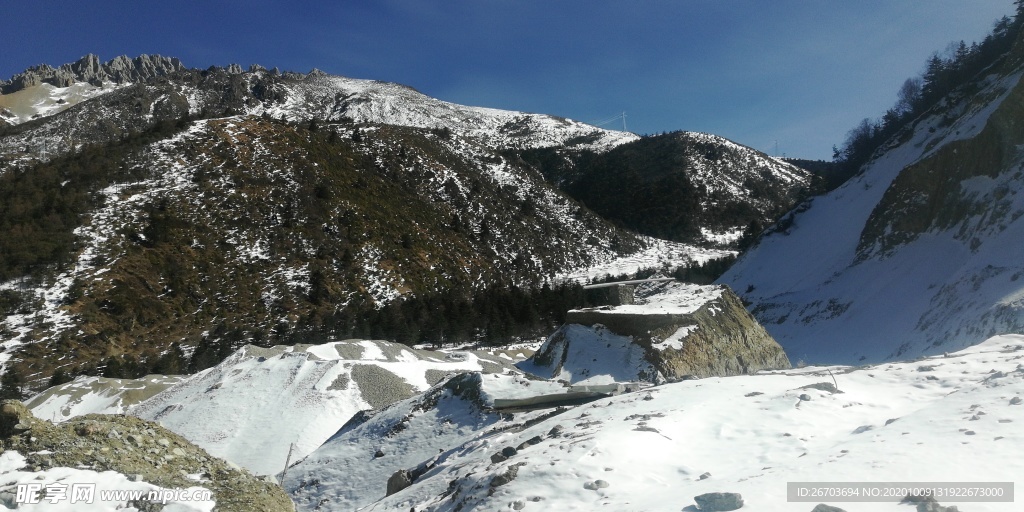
(942, 75)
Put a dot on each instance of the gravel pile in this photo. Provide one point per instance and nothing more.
(137, 448)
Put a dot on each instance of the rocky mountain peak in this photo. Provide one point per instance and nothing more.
(89, 69)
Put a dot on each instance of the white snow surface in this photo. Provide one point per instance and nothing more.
(99, 395)
(667, 298)
(945, 419)
(593, 356)
(13, 472)
(352, 468)
(370, 101)
(808, 288)
(660, 254)
(46, 100)
(252, 407)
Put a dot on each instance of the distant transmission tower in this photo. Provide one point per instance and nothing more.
(616, 117)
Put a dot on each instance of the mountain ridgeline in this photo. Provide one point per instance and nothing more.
(679, 185)
(158, 217)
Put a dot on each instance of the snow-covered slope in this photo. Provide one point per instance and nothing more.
(943, 419)
(46, 100)
(258, 404)
(97, 395)
(918, 254)
(323, 96)
(170, 90)
(352, 468)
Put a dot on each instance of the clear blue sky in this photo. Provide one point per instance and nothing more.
(799, 73)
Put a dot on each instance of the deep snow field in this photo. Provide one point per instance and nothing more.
(955, 417)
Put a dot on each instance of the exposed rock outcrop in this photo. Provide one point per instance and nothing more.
(132, 446)
(89, 69)
(674, 331)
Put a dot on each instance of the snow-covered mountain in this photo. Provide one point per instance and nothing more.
(147, 204)
(917, 254)
(684, 186)
(124, 95)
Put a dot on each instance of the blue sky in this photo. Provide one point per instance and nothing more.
(791, 74)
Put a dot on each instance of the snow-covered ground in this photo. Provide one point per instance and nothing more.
(659, 254)
(259, 405)
(952, 418)
(46, 100)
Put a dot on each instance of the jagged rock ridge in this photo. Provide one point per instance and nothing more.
(89, 69)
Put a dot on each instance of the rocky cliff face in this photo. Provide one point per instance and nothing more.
(89, 69)
(674, 331)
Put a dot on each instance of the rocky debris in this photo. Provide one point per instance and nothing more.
(828, 387)
(380, 387)
(718, 501)
(926, 503)
(821, 507)
(89, 69)
(529, 442)
(131, 446)
(595, 485)
(935, 507)
(506, 477)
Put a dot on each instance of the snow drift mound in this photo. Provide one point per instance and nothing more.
(673, 331)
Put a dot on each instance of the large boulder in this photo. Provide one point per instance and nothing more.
(673, 331)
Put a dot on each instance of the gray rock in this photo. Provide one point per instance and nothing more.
(529, 442)
(509, 475)
(508, 451)
(727, 340)
(828, 387)
(932, 506)
(1015, 400)
(89, 69)
(821, 507)
(705, 475)
(718, 501)
(805, 397)
(398, 481)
